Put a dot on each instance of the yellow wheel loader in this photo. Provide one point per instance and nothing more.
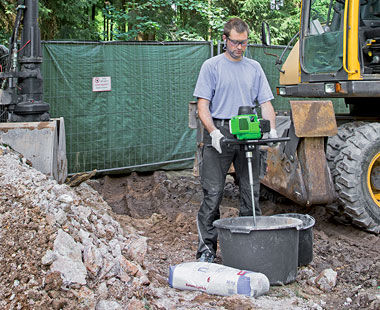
(332, 159)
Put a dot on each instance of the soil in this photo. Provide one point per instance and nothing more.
(162, 206)
(122, 233)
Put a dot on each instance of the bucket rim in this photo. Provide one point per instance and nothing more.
(221, 223)
(295, 215)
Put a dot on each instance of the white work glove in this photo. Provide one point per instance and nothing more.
(273, 134)
(216, 136)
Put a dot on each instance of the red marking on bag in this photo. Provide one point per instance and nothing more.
(241, 273)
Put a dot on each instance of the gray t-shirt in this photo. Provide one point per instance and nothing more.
(230, 84)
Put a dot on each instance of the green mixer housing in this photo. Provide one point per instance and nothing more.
(248, 127)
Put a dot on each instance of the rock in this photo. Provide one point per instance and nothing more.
(49, 257)
(109, 269)
(85, 237)
(60, 217)
(123, 276)
(372, 282)
(144, 280)
(110, 231)
(137, 250)
(93, 259)
(326, 280)
(115, 248)
(50, 218)
(102, 291)
(311, 280)
(83, 212)
(108, 305)
(128, 266)
(347, 302)
(69, 259)
(375, 304)
(86, 298)
(65, 198)
(100, 231)
(103, 249)
(315, 306)
(305, 273)
(107, 218)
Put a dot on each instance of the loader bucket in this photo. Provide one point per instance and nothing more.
(42, 143)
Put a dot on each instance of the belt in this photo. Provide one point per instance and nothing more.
(221, 122)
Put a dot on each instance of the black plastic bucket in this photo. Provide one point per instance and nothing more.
(269, 247)
(305, 247)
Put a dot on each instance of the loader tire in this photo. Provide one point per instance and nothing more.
(337, 142)
(357, 178)
(334, 146)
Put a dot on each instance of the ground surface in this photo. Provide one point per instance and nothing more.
(163, 206)
(66, 248)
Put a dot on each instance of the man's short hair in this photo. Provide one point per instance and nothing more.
(235, 23)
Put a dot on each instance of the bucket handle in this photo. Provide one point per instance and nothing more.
(240, 230)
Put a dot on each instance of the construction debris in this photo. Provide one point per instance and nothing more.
(61, 248)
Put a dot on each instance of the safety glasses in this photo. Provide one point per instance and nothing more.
(235, 43)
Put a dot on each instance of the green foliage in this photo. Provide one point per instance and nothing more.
(4, 36)
(160, 20)
(319, 10)
(284, 23)
(163, 20)
(7, 14)
(68, 19)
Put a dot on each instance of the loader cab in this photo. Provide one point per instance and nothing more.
(322, 44)
(337, 55)
(322, 40)
(339, 40)
(369, 34)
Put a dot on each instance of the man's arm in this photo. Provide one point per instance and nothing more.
(206, 118)
(267, 112)
(205, 115)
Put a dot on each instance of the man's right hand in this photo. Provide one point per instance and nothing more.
(216, 136)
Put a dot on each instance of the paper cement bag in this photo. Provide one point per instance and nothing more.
(217, 279)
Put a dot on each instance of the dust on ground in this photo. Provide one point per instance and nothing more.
(162, 206)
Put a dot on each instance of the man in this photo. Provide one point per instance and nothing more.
(225, 83)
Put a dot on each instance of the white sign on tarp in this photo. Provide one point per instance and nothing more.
(276, 4)
(101, 83)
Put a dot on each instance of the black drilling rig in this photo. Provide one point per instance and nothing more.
(21, 92)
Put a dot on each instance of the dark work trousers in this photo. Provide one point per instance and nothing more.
(213, 172)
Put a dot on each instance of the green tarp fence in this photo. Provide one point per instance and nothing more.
(139, 119)
(142, 122)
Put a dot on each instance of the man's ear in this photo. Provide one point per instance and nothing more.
(224, 38)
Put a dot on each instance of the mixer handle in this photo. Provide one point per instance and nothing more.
(230, 141)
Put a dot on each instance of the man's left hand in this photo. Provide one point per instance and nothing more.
(273, 134)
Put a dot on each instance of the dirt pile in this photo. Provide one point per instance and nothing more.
(60, 248)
